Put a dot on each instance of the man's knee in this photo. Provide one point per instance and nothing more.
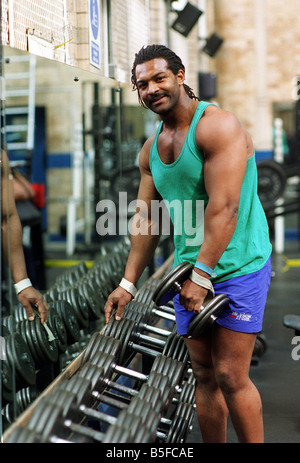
(230, 380)
(204, 375)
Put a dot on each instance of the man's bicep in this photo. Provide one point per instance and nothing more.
(224, 168)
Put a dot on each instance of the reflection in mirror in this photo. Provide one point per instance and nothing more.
(72, 139)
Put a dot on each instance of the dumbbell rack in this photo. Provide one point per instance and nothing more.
(73, 370)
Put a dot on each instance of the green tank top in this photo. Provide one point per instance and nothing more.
(181, 185)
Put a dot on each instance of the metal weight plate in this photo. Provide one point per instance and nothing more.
(127, 329)
(79, 306)
(100, 342)
(169, 367)
(181, 423)
(168, 287)
(152, 395)
(139, 407)
(105, 360)
(7, 382)
(207, 316)
(162, 383)
(60, 333)
(271, 182)
(22, 329)
(68, 317)
(117, 435)
(175, 348)
(19, 356)
(22, 435)
(50, 349)
(39, 418)
(187, 393)
(58, 329)
(95, 374)
(89, 348)
(82, 387)
(31, 331)
(95, 309)
(54, 426)
(67, 400)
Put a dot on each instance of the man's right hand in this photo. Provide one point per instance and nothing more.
(116, 300)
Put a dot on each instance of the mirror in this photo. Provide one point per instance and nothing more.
(75, 137)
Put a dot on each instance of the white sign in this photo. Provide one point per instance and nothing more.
(94, 28)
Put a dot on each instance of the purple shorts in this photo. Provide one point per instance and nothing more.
(247, 299)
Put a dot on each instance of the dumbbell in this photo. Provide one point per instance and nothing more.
(171, 284)
(105, 351)
(129, 333)
(151, 311)
(172, 345)
(101, 376)
(167, 366)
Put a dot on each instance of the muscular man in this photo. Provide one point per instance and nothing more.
(12, 247)
(202, 153)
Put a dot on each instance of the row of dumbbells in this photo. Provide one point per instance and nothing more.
(158, 408)
(76, 310)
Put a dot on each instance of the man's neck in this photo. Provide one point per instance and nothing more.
(181, 115)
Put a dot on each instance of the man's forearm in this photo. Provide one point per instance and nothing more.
(141, 252)
(13, 248)
(219, 228)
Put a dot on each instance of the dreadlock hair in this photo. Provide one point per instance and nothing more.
(151, 52)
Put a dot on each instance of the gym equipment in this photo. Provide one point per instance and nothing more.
(141, 416)
(162, 364)
(292, 321)
(129, 332)
(19, 360)
(42, 350)
(171, 284)
(271, 182)
(101, 382)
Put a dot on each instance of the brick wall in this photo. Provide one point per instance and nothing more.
(257, 61)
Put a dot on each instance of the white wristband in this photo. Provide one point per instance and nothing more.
(202, 281)
(23, 284)
(129, 287)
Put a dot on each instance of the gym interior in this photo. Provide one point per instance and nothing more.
(72, 128)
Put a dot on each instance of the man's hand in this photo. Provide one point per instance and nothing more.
(30, 297)
(116, 300)
(192, 296)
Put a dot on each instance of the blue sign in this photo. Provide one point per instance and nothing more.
(94, 19)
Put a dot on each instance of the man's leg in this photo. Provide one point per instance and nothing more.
(221, 363)
(211, 407)
(231, 354)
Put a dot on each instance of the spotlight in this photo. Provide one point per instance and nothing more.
(186, 19)
(212, 45)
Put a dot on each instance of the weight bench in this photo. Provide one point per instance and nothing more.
(292, 321)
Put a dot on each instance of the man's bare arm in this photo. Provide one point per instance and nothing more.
(145, 235)
(12, 244)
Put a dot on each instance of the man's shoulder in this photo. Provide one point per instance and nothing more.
(217, 122)
(144, 156)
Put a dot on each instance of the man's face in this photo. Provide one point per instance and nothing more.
(158, 87)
